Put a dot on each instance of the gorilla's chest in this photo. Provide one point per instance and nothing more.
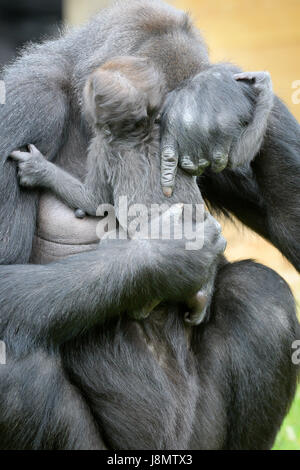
(59, 233)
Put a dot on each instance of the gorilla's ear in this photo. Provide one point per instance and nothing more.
(125, 88)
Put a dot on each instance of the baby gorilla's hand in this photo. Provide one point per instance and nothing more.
(32, 167)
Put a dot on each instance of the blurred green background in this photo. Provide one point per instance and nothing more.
(289, 435)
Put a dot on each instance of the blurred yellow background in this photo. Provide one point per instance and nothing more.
(257, 35)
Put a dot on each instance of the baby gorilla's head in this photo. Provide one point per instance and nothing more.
(124, 95)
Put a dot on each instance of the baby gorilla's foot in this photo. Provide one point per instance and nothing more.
(32, 167)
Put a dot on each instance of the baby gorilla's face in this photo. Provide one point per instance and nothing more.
(137, 112)
(136, 124)
(214, 109)
(124, 95)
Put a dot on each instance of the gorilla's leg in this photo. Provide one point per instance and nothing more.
(247, 378)
(139, 380)
(40, 409)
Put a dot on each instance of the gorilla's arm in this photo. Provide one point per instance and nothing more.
(56, 302)
(264, 193)
(35, 110)
(266, 196)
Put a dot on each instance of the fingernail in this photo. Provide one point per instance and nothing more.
(167, 191)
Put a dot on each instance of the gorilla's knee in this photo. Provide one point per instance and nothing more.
(258, 297)
(255, 325)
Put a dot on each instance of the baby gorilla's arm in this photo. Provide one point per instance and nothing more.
(250, 141)
(35, 171)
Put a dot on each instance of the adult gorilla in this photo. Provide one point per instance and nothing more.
(157, 384)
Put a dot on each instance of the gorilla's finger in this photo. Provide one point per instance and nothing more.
(20, 156)
(169, 163)
(259, 76)
(188, 165)
(244, 76)
(33, 149)
(219, 160)
(198, 307)
(194, 318)
(202, 165)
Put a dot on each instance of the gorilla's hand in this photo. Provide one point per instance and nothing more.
(32, 167)
(190, 273)
(217, 119)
